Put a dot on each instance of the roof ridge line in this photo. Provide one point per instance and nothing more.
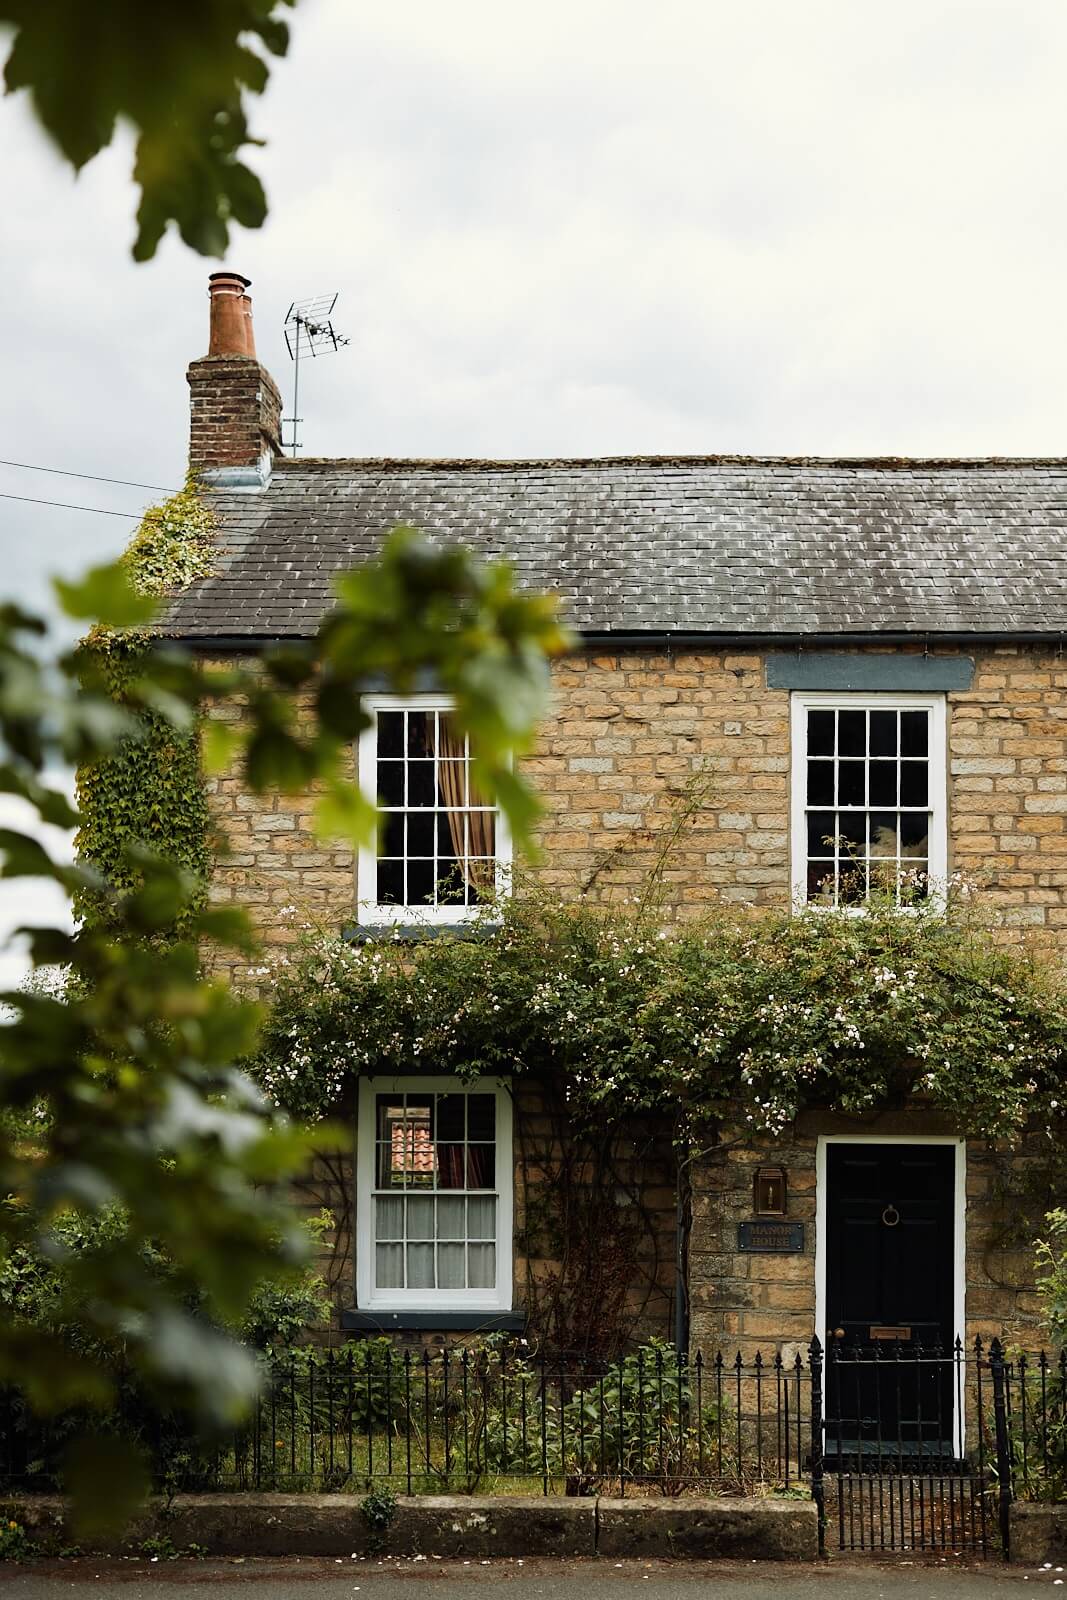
(320, 464)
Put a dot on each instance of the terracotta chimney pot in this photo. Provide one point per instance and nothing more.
(235, 408)
(231, 316)
(250, 338)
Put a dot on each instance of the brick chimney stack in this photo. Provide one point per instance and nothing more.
(235, 407)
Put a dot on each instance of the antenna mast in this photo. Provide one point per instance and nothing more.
(308, 331)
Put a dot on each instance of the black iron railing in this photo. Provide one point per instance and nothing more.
(901, 1447)
(458, 1419)
(1034, 1422)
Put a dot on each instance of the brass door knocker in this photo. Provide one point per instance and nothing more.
(890, 1216)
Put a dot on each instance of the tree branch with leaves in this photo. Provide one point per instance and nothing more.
(179, 75)
(133, 1057)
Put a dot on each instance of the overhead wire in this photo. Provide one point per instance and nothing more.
(93, 477)
(65, 505)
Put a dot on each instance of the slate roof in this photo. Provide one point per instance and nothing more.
(715, 545)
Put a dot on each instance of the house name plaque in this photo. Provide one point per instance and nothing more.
(768, 1235)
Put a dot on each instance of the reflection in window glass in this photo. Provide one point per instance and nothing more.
(435, 1200)
(867, 803)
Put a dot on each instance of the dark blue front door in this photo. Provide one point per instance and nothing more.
(889, 1293)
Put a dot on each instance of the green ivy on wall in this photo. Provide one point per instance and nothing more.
(150, 791)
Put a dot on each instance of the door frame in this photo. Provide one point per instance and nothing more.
(959, 1231)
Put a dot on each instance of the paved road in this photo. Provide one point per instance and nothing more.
(526, 1580)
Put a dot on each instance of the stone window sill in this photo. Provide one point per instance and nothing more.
(355, 1321)
(413, 933)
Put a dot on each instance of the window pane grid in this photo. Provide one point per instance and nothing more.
(435, 1200)
(438, 842)
(867, 803)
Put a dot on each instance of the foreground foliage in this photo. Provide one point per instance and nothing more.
(179, 76)
(132, 1057)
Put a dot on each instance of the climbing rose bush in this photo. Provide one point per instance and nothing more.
(750, 1017)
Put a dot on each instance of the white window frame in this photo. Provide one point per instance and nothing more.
(369, 912)
(370, 1298)
(937, 849)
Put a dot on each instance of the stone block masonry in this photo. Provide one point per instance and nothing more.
(1008, 787)
(1038, 1534)
(680, 765)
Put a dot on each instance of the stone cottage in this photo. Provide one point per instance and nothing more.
(868, 654)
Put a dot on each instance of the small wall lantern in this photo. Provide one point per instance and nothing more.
(768, 1192)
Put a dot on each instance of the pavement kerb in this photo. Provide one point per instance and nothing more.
(1038, 1533)
(755, 1529)
(449, 1525)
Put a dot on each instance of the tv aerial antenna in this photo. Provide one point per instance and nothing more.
(308, 332)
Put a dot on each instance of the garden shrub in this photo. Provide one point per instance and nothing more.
(45, 1289)
(1052, 1277)
(642, 1419)
(1041, 1462)
(15, 1542)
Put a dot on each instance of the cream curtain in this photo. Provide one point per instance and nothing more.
(451, 752)
(453, 1248)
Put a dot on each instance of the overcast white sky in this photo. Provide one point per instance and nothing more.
(590, 227)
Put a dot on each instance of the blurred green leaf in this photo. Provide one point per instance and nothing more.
(179, 76)
(345, 813)
(52, 1375)
(227, 925)
(219, 743)
(107, 1480)
(48, 946)
(223, 1374)
(274, 759)
(105, 595)
(24, 857)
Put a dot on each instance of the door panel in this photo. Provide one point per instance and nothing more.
(889, 1292)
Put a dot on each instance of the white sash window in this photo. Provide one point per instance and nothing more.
(434, 1194)
(442, 850)
(869, 797)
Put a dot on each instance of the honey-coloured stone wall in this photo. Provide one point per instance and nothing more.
(679, 765)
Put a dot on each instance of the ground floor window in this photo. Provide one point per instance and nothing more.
(433, 1194)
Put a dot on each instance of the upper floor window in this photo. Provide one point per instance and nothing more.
(434, 1194)
(868, 809)
(441, 848)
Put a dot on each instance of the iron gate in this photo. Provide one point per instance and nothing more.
(904, 1450)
